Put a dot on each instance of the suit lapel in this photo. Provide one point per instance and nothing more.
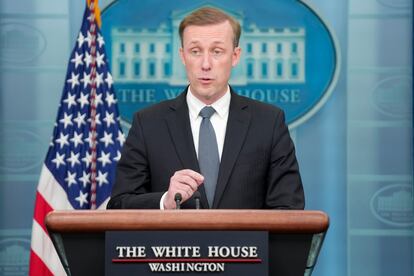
(237, 126)
(178, 122)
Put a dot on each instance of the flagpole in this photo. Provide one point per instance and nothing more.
(92, 31)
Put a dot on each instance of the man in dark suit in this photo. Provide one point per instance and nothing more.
(239, 156)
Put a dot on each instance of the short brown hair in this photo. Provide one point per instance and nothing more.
(210, 16)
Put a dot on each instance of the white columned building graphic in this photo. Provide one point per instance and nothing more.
(270, 55)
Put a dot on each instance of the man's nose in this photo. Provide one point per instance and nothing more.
(206, 62)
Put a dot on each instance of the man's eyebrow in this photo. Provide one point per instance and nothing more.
(195, 42)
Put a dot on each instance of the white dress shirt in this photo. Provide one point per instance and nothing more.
(218, 120)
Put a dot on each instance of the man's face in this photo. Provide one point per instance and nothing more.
(208, 55)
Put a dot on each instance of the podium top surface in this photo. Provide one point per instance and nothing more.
(276, 221)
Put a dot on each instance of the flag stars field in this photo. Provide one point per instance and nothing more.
(80, 119)
(73, 159)
(74, 80)
(87, 159)
(59, 160)
(70, 100)
(88, 39)
(107, 139)
(83, 100)
(77, 139)
(62, 140)
(98, 100)
(105, 158)
(85, 179)
(97, 119)
(86, 80)
(102, 178)
(77, 59)
(109, 119)
(118, 156)
(100, 59)
(80, 39)
(99, 79)
(82, 198)
(110, 99)
(70, 178)
(109, 82)
(100, 40)
(87, 59)
(66, 120)
(121, 138)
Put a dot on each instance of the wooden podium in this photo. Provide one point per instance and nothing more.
(295, 237)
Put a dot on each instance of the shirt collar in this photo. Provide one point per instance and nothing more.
(221, 106)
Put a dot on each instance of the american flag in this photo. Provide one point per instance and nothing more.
(79, 168)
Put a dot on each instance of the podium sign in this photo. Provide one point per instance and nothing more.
(229, 253)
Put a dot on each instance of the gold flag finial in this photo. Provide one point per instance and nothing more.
(97, 11)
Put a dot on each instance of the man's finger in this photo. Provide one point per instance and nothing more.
(188, 181)
(195, 175)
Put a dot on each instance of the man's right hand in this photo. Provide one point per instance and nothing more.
(185, 182)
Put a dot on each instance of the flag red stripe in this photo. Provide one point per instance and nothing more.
(37, 266)
(42, 208)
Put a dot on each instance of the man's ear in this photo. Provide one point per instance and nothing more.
(181, 52)
(236, 56)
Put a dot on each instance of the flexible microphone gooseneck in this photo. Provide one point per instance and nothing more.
(197, 199)
(177, 199)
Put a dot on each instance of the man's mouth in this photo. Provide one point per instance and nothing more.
(205, 80)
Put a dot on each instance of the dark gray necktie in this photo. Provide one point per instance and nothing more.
(208, 155)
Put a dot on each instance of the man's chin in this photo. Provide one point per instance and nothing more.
(204, 96)
(205, 92)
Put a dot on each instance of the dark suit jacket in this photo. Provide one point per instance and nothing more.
(258, 168)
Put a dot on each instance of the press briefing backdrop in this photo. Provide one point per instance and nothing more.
(342, 70)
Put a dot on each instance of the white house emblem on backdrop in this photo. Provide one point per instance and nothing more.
(289, 55)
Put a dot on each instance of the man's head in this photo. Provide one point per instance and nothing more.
(210, 16)
(209, 39)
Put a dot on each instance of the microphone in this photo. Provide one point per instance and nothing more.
(197, 199)
(177, 199)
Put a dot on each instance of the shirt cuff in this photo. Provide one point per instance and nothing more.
(162, 201)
